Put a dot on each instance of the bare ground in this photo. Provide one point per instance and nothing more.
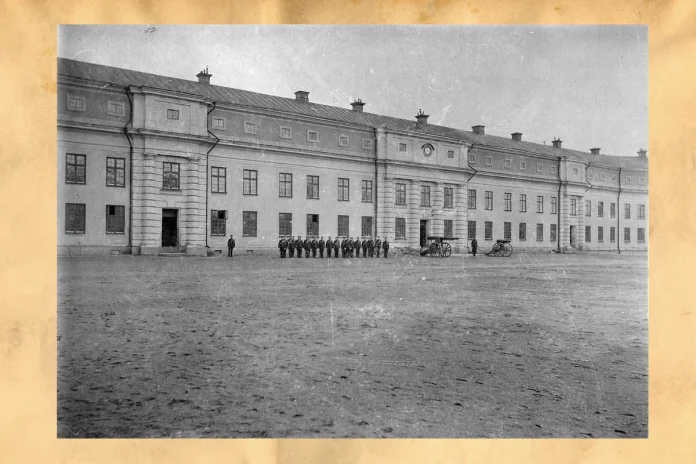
(528, 346)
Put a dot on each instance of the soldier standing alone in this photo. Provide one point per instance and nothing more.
(474, 246)
(321, 247)
(378, 246)
(385, 247)
(230, 246)
(281, 247)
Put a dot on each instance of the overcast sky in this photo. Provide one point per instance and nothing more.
(587, 85)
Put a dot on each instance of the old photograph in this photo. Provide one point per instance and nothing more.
(352, 231)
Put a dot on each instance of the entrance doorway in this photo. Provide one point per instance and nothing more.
(573, 236)
(170, 229)
(423, 232)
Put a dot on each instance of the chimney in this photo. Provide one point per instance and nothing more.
(358, 105)
(557, 143)
(204, 77)
(422, 118)
(480, 130)
(594, 151)
(642, 153)
(302, 96)
(517, 136)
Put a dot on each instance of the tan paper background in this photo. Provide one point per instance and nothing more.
(28, 242)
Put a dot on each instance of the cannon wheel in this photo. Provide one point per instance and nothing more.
(507, 251)
(446, 250)
(435, 249)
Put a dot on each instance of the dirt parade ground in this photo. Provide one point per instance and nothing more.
(535, 345)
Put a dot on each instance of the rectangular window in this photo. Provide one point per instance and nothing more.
(523, 231)
(342, 140)
(471, 229)
(425, 195)
(249, 128)
(508, 202)
(402, 147)
(367, 144)
(600, 209)
(575, 171)
(312, 136)
(523, 203)
(627, 209)
(249, 223)
(400, 232)
(400, 194)
(612, 210)
(628, 179)
(449, 197)
(508, 163)
(343, 226)
(312, 187)
(523, 165)
(552, 233)
(250, 182)
(573, 206)
(172, 114)
(507, 231)
(600, 234)
(553, 169)
(612, 234)
(540, 167)
(601, 176)
(489, 161)
(366, 226)
(554, 205)
(116, 109)
(641, 211)
(115, 172)
(343, 190)
(285, 224)
(472, 199)
(285, 133)
(449, 228)
(285, 185)
(312, 225)
(588, 234)
(540, 233)
(588, 208)
(472, 158)
(75, 169)
(218, 181)
(627, 235)
(74, 218)
(218, 123)
(641, 235)
(115, 219)
(367, 191)
(450, 153)
(76, 103)
(218, 220)
(540, 204)
(641, 180)
(488, 230)
(170, 176)
(489, 200)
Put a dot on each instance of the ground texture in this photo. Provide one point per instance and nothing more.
(536, 345)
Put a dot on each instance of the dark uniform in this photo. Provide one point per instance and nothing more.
(298, 245)
(385, 247)
(230, 247)
(474, 246)
(335, 247)
(357, 247)
(281, 246)
(364, 247)
(291, 247)
(378, 246)
(314, 245)
(343, 247)
(321, 247)
(371, 247)
(307, 244)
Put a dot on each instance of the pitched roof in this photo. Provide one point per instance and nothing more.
(124, 77)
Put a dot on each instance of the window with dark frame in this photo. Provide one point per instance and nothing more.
(343, 226)
(552, 233)
(540, 204)
(218, 221)
(449, 197)
(573, 206)
(471, 229)
(612, 234)
(554, 205)
(285, 133)
(343, 189)
(508, 201)
(285, 224)
(540, 233)
(250, 182)
(627, 235)
(588, 208)
(312, 136)
(641, 212)
(115, 172)
(449, 227)
(342, 140)
(489, 200)
(116, 109)
(600, 209)
(488, 226)
(400, 232)
(600, 234)
(402, 147)
(507, 230)
(400, 194)
(218, 181)
(641, 235)
(76, 103)
(312, 225)
(450, 153)
(425, 195)
(218, 123)
(115, 219)
(249, 223)
(612, 210)
(75, 218)
(366, 228)
(523, 231)
(285, 185)
(627, 210)
(367, 191)
(367, 144)
(75, 169)
(523, 203)
(588, 234)
(312, 187)
(249, 128)
(172, 114)
(472, 199)
(170, 176)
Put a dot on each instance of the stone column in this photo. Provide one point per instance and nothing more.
(413, 215)
(147, 210)
(460, 220)
(385, 209)
(193, 213)
(437, 202)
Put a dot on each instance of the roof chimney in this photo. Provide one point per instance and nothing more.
(594, 151)
(358, 105)
(302, 96)
(557, 143)
(642, 153)
(422, 118)
(203, 76)
(517, 136)
(479, 130)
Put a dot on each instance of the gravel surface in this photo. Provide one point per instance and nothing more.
(536, 345)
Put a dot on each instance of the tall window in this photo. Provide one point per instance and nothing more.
(507, 230)
(249, 223)
(400, 194)
(523, 231)
(573, 206)
(540, 204)
(600, 234)
(641, 235)
(312, 187)
(641, 213)
(285, 224)
(400, 232)
(488, 230)
(366, 228)
(367, 191)
(218, 183)
(115, 172)
(218, 220)
(540, 233)
(425, 195)
(343, 226)
(627, 235)
(612, 210)
(170, 176)
(612, 234)
(449, 227)
(523, 203)
(449, 197)
(600, 209)
(74, 218)
(472, 199)
(588, 234)
(508, 202)
(489, 200)
(312, 225)
(554, 205)
(552, 233)
(588, 208)
(343, 190)
(250, 182)
(627, 209)
(285, 185)
(75, 169)
(115, 219)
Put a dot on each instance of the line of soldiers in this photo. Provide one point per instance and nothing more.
(349, 247)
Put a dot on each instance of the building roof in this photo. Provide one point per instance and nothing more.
(125, 77)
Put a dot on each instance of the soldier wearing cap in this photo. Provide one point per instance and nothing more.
(230, 246)
(364, 247)
(378, 245)
(336, 245)
(307, 245)
(321, 244)
(358, 244)
(385, 247)
(371, 247)
(343, 247)
(291, 246)
(281, 246)
(299, 245)
(313, 245)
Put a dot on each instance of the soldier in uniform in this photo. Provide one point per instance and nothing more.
(371, 247)
(335, 247)
(314, 245)
(343, 247)
(281, 247)
(378, 246)
(321, 247)
(385, 247)
(351, 247)
(307, 245)
(364, 247)
(357, 247)
(230, 247)
(291, 246)
(474, 246)
(298, 245)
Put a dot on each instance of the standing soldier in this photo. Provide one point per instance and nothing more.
(474, 246)
(314, 247)
(281, 245)
(357, 247)
(298, 245)
(364, 247)
(230, 246)
(351, 247)
(329, 247)
(344, 247)
(371, 247)
(321, 247)
(291, 246)
(378, 245)
(385, 247)
(307, 244)
(335, 247)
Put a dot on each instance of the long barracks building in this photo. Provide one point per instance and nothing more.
(148, 163)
